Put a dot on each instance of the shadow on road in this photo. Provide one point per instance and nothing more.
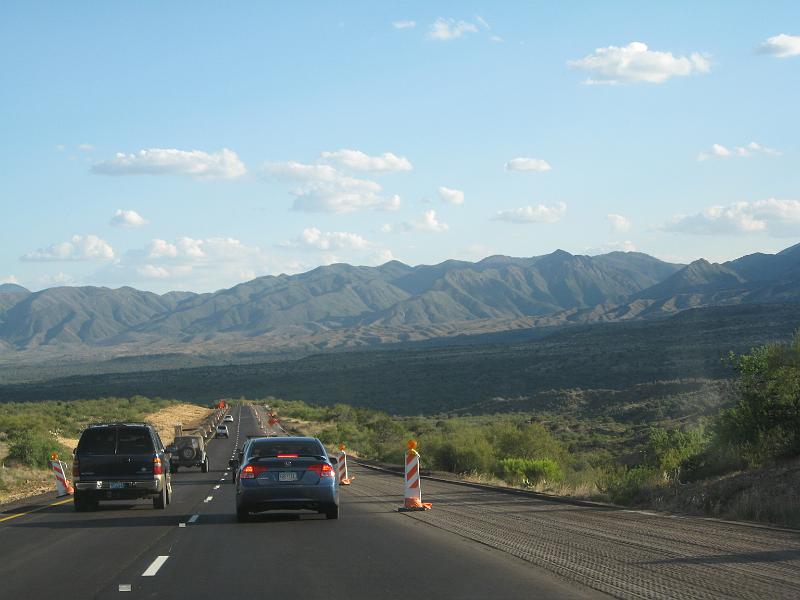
(722, 559)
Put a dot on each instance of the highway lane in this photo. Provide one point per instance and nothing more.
(372, 551)
(58, 553)
(475, 543)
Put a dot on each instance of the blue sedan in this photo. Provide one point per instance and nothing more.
(285, 473)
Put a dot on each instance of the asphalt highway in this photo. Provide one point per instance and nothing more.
(196, 549)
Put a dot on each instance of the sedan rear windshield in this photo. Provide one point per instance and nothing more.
(268, 449)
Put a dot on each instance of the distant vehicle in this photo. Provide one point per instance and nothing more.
(222, 431)
(285, 473)
(121, 461)
(228, 419)
(188, 451)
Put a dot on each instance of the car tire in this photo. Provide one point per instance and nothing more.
(331, 512)
(204, 467)
(160, 501)
(242, 515)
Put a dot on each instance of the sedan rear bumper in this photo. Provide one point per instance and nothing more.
(290, 497)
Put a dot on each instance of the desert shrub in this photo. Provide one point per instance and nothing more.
(765, 422)
(33, 448)
(527, 471)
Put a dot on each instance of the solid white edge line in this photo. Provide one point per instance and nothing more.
(155, 566)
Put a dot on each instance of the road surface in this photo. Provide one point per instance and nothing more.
(474, 544)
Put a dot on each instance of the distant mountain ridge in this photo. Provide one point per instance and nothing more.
(341, 305)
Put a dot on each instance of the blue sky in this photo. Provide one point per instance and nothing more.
(187, 145)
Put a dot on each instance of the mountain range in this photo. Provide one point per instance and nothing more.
(350, 306)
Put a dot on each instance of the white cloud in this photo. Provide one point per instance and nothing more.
(333, 240)
(451, 196)
(60, 147)
(635, 63)
(224, 164)
(357, 160)
(127, 219)
(404, 24)
(85, 147)
(9, 279)
(619, 223)
(533, 214)
(153, 272)
(746, 151)
(482, 22)
(496, 39)
(450, 29)
(527, 164)
(781, 46)
(427, 223)
(772, 216)
(79, 248)
(626, 246)
(324, 189)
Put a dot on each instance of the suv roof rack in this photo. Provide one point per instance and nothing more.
(117, 423)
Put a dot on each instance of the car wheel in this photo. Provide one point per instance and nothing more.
(160, 501)
(204, 466)
(332, 512)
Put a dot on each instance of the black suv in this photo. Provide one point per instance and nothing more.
(188, 451)
(121, 461)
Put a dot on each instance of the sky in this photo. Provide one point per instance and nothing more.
(196, 145)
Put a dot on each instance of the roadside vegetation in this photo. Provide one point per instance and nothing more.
(727, 449)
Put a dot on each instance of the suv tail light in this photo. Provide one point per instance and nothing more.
(323, 470)
(252, 471)
(157, 468)
(76, 468)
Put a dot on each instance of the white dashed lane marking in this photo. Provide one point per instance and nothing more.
(155, 566)
(124, 587)
(209, 499)
(216, 487)
(193, 519)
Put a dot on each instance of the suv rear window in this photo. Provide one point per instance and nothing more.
(98, 440)
(268, 449)
(134, 440)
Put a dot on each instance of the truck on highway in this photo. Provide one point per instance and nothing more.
(121, 461)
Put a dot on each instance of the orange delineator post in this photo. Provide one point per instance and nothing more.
(341, 467)
(413, 491)
(63, 486)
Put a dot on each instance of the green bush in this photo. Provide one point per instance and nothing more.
(626, 486)
(765, 422)
(33, 448)
(526, 471)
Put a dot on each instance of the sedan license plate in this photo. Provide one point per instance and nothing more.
(287, 476)
(116, 485)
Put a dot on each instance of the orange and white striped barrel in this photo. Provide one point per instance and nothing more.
(413, 491)
(63, 486)
(341, 467)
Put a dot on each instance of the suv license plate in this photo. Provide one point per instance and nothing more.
(287, 476)
(116, 485)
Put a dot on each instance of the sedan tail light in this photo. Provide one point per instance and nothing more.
(252, 471)
(323, 470)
